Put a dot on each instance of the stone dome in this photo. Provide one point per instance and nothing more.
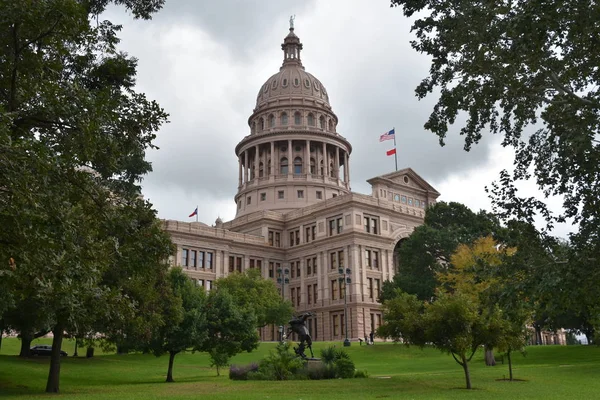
(292, 79)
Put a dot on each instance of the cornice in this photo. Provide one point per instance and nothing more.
(268, 137)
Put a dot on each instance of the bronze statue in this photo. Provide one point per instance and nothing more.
(298, 326)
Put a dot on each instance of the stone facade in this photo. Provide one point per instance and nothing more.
(326, 248)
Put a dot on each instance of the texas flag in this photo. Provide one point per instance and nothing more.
(194, 213)
(391, 152)
(387, 136)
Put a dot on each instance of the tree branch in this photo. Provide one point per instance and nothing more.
(42, 35)
(13, 79)
(456, 359)
(566, 90)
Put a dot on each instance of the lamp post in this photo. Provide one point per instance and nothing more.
(282, 279)
(345, 278)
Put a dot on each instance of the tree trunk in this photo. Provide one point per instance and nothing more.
(510, 374)
(465, 365)
(1, 331)
(490, 361)
(75, 352)
(26, 340)
(538, 335)
(218, 371)
(170, 372)
(90, 352)
(54, 374)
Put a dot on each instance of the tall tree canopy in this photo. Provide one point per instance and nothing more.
(73, 136)
(508, 64)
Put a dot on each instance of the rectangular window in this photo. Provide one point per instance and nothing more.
(249, 200)
(292, 240)
(193, 258)
(333, 260)
(309, 294)
(298, 293)
(335, 324)
(371, 224)
(340, 258)
(184, 257)
(293, 270)
(209, 260)
(308, 267)
(200, 259)
(231, 263)
(271, 270)
(208, 285)
(375, 259)
(370, 287)
(263, 196)
(238, 266)
(313, 232)
(307, 234)
(334, 286)
(368, 258)
(298, 269)
(297, 236)
(319, 195)
(342, 288)
(300, 194)
(292, 295)
(377, 288)
(315, 291)
(340, 225)
(259, 265)
(252, 263)
(280, 194)
(331, 227)
(271, 238)
(277, 239)
(201, 282)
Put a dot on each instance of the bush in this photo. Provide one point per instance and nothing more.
(344, 368)
(361, 374)
(241, 373)
(281, 365)
(322, 371)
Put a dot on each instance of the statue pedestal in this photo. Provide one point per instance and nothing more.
(312, 363)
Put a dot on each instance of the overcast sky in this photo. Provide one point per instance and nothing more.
(204, 61)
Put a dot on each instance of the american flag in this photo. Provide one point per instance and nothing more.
(387, 136)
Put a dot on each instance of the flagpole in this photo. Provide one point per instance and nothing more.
(395, 150)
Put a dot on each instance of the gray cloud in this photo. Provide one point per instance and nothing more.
(205, 60)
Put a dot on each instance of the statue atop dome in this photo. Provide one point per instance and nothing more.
(292, 18)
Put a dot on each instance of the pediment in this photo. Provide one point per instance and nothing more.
(406, 178)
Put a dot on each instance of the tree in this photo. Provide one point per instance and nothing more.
(429, 248)
(249, 290)
(452, 323)
(511, 65)
(73, 136)
(186, 328)
(230, 329)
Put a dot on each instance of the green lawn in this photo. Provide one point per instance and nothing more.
(550, 372)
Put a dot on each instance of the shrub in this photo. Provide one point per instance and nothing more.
(241, 373)
(282, 364)
(322, 371)
(361, 374)
(344, 368)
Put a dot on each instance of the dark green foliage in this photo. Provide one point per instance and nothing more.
(428, 249)
(361, 374)
(240, 373)
(280, 365)
(338, 361)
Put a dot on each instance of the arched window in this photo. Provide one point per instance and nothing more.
(297, 118)
(284, 119)
(331, 171)
(271, 121)
(312, 166)
(269, 167)
(261, 170)
(330, 125)
(297, 165)
(322, 122)
(311, 120)
(283, 166)
(262, 124)
(321, 168)
(252, 171)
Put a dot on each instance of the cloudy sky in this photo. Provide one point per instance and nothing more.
(204, 62)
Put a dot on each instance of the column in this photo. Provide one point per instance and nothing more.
(307, 158)
(290, 161)
(256, 165)
(245, 166)
(325, 161)
(273, 160)
(337, 163)
(346, 173)
(240, 171)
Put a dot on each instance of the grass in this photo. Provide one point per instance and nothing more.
(396, 372)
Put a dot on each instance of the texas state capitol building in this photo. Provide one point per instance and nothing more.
(297, 218)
